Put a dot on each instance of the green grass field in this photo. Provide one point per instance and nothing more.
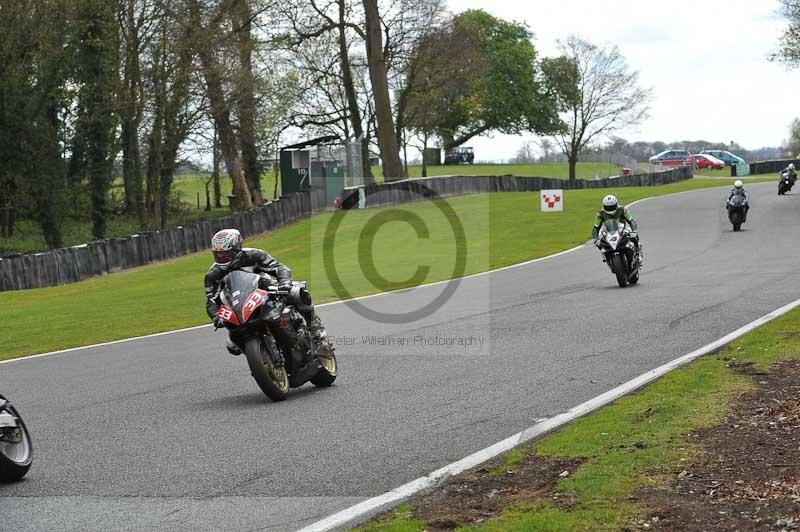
(558, 170)
(499, 230)
(635, 443)
(190, 185)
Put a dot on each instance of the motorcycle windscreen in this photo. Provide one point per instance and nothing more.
(611, 232)
(612, 226)
(737, 201)
(239, 286)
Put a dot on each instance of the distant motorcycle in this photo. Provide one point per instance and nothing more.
(785, 183)
(16, 449)
(620, 252)
(273, 335)
(737, 211)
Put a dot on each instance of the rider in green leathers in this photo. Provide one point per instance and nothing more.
(613, 210)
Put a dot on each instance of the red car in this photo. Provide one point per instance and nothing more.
(704, 160)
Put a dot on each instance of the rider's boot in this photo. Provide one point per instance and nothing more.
(316, 328)
(233, 348)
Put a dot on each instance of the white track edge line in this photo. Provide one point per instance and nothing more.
(331, 303)
(384, 501)
(321, 305)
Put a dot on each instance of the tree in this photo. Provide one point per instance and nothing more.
(547, 147)
(606, 99)
(242, 21)
(320, 37)
(525, 154)
(390, 151)
(135, 17)
(794, 138)
(511, 96)
(443, 63)
(205, 36)
(789, 44)
(171, 115)
(97, 60)
(35, 65)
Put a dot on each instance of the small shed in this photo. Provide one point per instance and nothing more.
(313, 164)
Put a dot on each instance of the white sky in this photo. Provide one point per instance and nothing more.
(705, 59)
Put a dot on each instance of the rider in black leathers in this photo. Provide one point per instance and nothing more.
(790, 171)
(230, 256)
(738, 190)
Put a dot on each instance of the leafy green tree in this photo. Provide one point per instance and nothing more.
(34, 69)
(446, 64)
(511, 94)
(96, 65)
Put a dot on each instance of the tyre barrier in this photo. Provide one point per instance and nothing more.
(410, 190)
(768, 167)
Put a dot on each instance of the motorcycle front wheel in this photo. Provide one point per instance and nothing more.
(15, 458)
(736, 221)
(618, 265)
(272, 380)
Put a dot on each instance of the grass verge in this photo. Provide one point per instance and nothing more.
(498, 230)
(557, 170)
(636, 443)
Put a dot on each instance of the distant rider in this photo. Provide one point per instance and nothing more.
(790, 171)
(226, 247)
(738, 190)
(612, 210)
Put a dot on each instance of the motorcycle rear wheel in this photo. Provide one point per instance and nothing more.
(618, 265)
(16, 459)
(273, 381)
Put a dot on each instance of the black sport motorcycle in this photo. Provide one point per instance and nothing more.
(16, 449)
(785, 183)
(737, 211)
(620, 252)
(273, 335)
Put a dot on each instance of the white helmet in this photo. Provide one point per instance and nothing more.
(738, 183)
(610, 204)
(791, 166)
(226, 245)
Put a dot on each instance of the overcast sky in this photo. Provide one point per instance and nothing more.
(705, 59)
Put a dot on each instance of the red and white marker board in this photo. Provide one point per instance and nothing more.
(552, 200)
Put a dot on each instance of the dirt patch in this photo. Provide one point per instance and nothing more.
(484, 493)
(747, 473)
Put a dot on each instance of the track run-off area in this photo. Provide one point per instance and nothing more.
(170, 432)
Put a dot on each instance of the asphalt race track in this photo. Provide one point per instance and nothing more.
(172, 433)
